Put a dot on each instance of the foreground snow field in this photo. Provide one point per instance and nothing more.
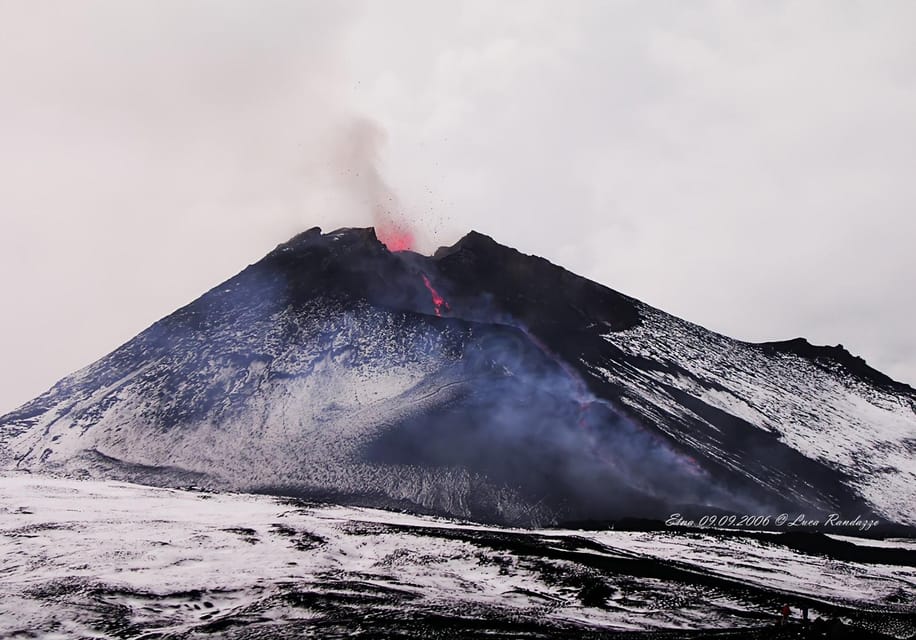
(90, 559)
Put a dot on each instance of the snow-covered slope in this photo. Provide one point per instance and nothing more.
(864, 428)
(478, 383)
(87, 559)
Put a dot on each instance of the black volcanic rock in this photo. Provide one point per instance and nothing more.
(488, 277)
(478, 382)
(837, 358)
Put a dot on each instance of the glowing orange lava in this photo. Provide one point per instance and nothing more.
(438, 301)
(396, 238)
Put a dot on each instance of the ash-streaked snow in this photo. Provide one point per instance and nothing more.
(81, 559)
(866, 432)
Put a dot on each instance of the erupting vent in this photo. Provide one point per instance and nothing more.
(395, 237)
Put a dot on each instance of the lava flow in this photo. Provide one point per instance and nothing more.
(438, 301)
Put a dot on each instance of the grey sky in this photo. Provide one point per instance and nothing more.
(747, 166)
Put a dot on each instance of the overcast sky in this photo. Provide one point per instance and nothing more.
(745, 165)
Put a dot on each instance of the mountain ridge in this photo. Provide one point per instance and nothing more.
(477, 382)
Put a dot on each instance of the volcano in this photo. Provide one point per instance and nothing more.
(478, 383)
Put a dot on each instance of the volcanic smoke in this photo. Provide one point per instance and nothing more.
(358, 156)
